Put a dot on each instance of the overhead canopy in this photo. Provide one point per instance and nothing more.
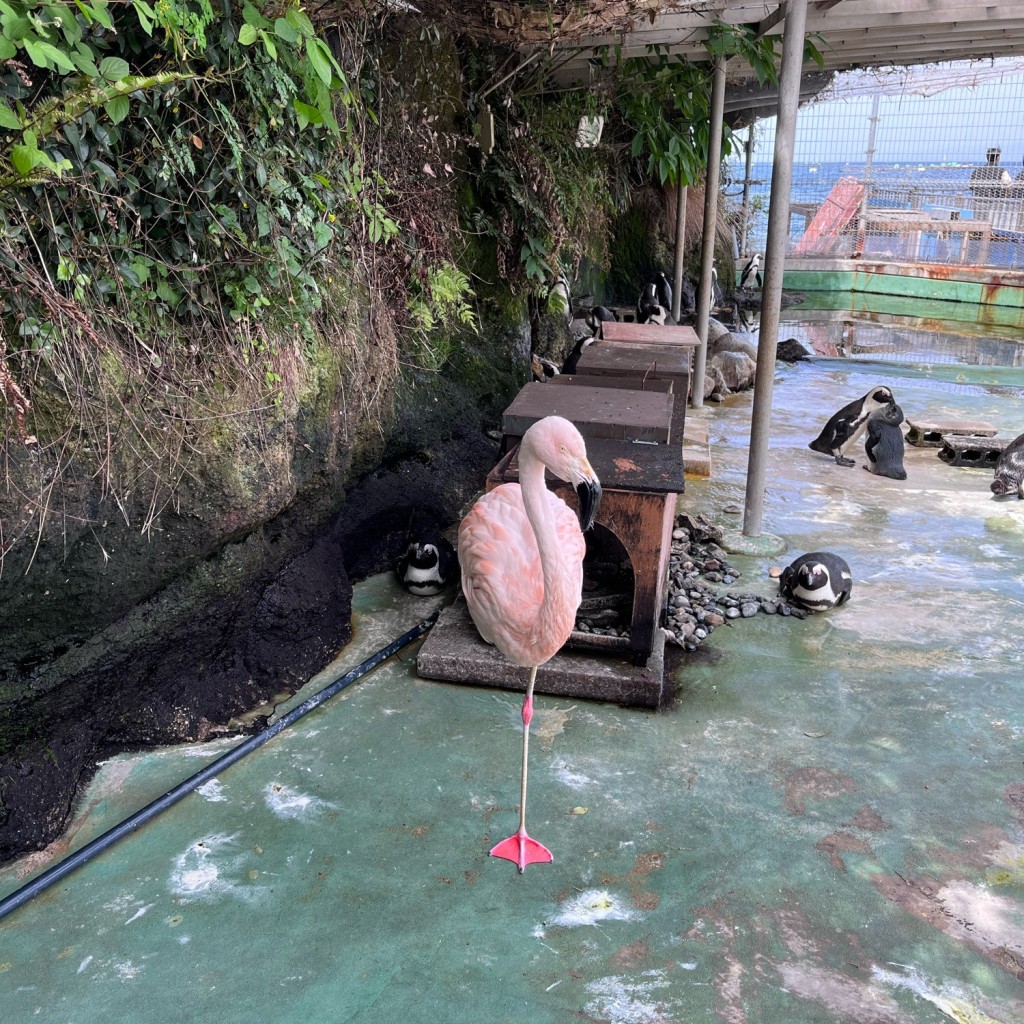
(853, 33)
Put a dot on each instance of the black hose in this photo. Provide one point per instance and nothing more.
(31, 889)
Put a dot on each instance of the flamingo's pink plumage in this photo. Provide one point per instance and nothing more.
(521, 552)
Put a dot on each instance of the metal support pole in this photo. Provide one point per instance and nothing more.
(775, 255)
(707, 249)
(677, 266)
(745, 217)
(868, 159)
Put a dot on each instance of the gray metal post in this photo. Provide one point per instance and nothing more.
(774, 258)
(677, 266)
(869, 157)
(745, 216)
(707, 249)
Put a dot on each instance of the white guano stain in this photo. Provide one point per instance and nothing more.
(206, 870)
(952, 1000)
(622, 1000)
(286, 802)
(570, 778)
(138, 913)
(212, 791)
(591, 907)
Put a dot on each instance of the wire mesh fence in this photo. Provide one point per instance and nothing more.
(918, 165)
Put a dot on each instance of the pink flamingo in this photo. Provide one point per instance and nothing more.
(521, 552)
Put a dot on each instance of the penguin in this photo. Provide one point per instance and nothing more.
(603, 314)
(647, 301)
(663, 290)
(661, 316)
(716, 292)
(846, 425)
(817, 581)
(1009, 471)
(542, 369)
(428, 565)
(751, 272)
(884, 444)
(573, 358)
(559, 298)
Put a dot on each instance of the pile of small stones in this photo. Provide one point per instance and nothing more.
(697, 564)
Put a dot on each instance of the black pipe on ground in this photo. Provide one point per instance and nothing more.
(54, 874)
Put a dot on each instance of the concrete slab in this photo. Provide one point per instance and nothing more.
(931, 433)
(976, 452)
(696, 447)
(454, 653)
(825, 825)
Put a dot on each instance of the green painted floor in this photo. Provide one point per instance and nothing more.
(827, 826)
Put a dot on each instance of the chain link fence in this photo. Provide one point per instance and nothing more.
(912, 165)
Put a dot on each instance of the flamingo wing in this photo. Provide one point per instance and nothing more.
(502, 579)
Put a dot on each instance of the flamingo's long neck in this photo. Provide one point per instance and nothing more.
(538, 511)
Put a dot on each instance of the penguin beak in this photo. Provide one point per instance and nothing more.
(588, 490)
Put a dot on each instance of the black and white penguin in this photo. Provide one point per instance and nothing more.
(663, 290)
(661, 316)
(559, 298)
(573, 358)
(1009, 471)
(751, 272)
(884, 444)
(602, 314)
(847, 425)
(428, 565)
(716, 291)
(817, 581)
(542, 369)
(647, 301)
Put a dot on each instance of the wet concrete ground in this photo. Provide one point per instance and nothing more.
(827, 825)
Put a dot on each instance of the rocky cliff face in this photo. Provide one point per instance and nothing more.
(129, 622)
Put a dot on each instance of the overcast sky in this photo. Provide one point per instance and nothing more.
(956, 125)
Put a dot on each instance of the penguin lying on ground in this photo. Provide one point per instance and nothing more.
(429, 563)
(1009, 471)
(884, 445)
(817, 581)
(846, 425)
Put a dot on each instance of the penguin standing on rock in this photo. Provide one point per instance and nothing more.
(847, 425)
(429, 563)
(884, 445)
(751, 272)
(559, 299)
(716, 291)
(817, 581)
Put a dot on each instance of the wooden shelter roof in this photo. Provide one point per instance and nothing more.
(853, 33)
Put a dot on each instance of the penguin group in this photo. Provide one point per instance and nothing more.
(845, 426)
(655, 303)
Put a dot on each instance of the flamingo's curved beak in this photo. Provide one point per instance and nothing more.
(588, 490)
